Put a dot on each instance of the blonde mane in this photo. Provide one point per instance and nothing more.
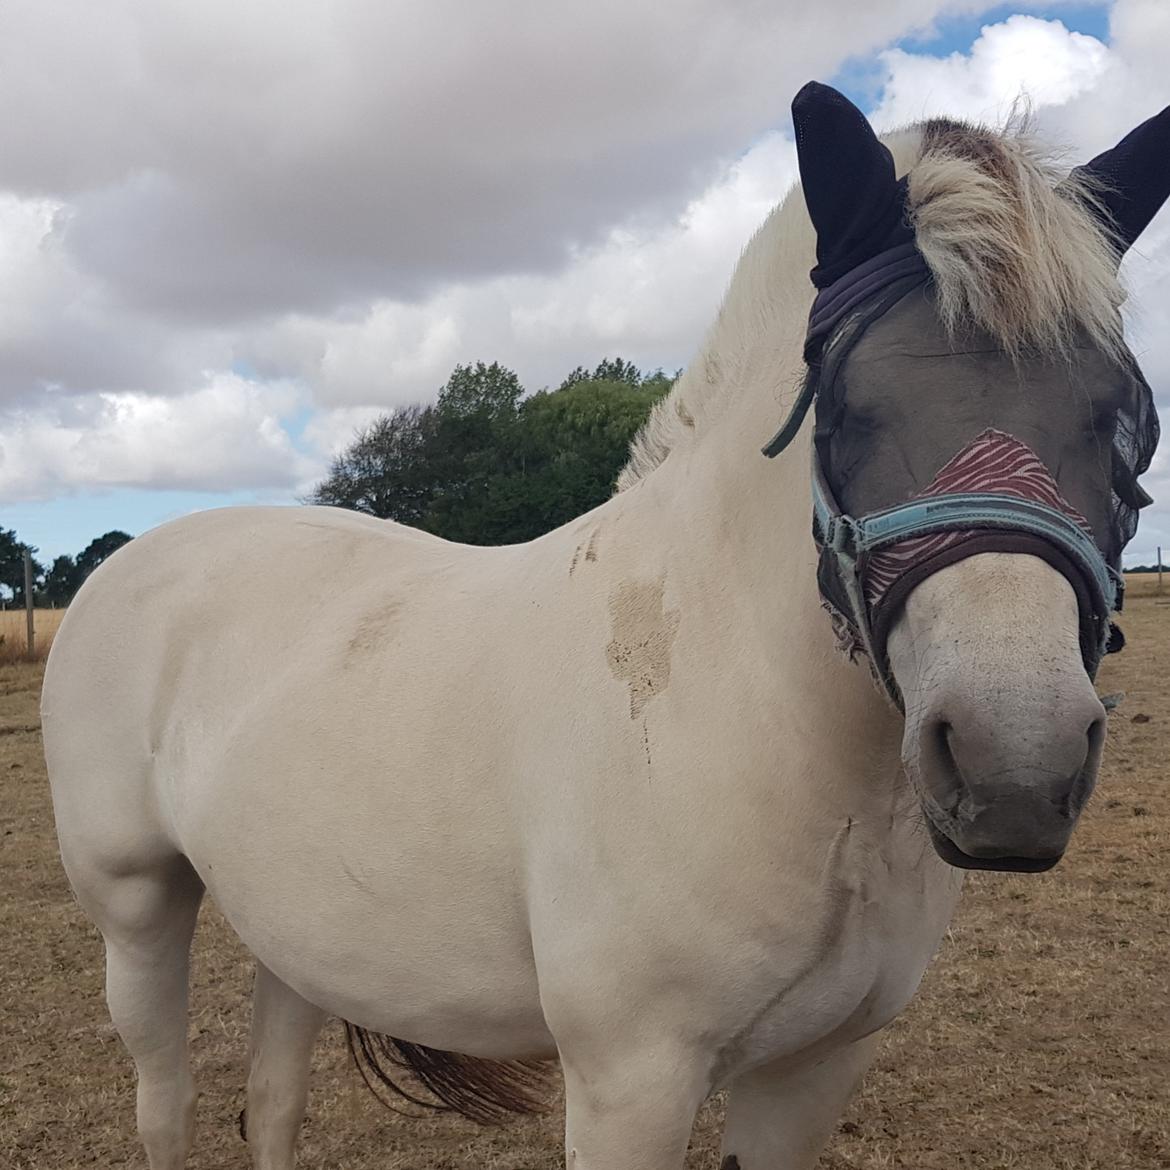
(1006, 232)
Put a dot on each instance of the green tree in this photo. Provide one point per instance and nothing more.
(61, 582)
(608, 370)
(474, 441)
(485, 465)
(491, 392)
(12, 565)
(389, 469)
(100, 549)
(572, 443)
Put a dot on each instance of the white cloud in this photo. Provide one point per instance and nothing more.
(225, 160)
(227, 432)
(1022, 55)
(1135, 86)
(648, 295)
(60, 329)
(329, 432)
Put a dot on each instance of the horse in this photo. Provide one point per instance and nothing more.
(681, 794)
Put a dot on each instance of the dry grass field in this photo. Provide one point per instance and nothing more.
(1040, 1039)
(14, 633)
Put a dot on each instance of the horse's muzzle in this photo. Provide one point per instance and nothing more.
(1008, 801)
(1004, 732)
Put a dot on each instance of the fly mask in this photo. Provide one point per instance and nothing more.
(933, 444)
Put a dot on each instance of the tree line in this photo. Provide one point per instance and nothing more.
(488, 464)
(56, 584)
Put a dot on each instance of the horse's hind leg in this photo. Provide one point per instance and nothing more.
(284, 1029)
(147, 920)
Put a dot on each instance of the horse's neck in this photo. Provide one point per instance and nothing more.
(734, 526)
(723, 516)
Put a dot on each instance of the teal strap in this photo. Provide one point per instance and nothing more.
(850, 538)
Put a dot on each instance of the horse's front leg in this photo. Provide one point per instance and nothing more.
(779, 1118)
(632, 1110)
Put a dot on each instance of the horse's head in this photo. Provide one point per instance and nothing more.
(980, 427)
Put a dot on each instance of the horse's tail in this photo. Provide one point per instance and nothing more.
(486, 1091)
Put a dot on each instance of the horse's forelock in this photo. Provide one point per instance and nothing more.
(1010, 241)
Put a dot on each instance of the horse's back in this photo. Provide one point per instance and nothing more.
(238, 564)
(230, 589)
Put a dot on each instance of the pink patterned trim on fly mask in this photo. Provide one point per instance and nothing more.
(993, 462)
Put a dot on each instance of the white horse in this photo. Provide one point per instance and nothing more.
(614, 796)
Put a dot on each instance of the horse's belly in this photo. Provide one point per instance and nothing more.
(358, 966)
(389, 902)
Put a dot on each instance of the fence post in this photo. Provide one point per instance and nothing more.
(1159, 570)
(28, 599)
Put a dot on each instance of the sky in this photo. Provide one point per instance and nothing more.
(230, 234)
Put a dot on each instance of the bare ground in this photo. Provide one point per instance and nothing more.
(1040, 1038)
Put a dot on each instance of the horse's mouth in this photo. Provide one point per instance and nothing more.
(953, 855)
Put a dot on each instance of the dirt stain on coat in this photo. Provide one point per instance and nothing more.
(590, 550)
(375, 629)
(643, 634)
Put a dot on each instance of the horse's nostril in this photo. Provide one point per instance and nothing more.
(1096, 734)
(945, 731)
(939, 769)
(942, 736)
(1083, 785)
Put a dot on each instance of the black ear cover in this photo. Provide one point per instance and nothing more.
(1132, 181)
(854, 200)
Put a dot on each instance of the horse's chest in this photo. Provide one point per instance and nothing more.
(860, 965)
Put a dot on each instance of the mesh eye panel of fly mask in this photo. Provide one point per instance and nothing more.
(931, 445)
